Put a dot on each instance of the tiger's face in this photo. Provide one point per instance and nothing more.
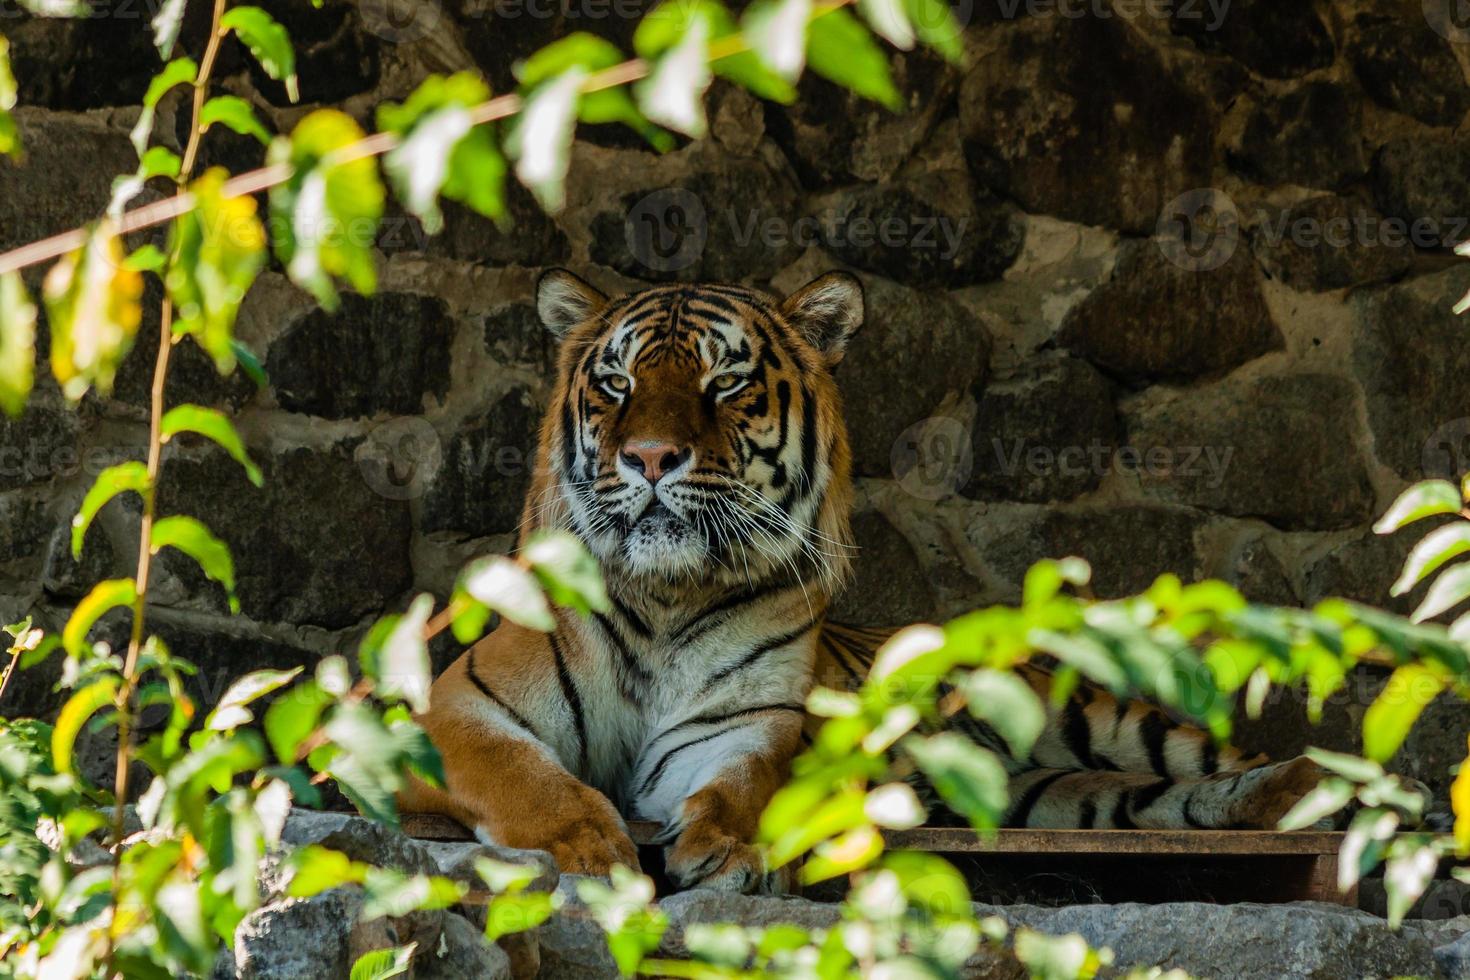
(696, 433)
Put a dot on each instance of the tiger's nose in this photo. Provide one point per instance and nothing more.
(654, 459)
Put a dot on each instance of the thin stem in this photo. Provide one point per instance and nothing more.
(255, 181)
(150, 493)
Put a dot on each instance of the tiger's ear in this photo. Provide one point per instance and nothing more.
(827, 311)
(564, 300)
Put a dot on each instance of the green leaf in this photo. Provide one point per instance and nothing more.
(291, 719)
(93, 308)
(123, 478)
(1410, 869)
(673, 92)
(577, 50)
(215, 426)
(1327, 798)
(1422, 500)
(250, 364)
(935, 22)
(849, 852)
(1429, 555)
(17, 343)
(195, 540)
(840, 49)
(366, 765)
(235, 113)
(402, 663)
(1364, 844)
(9, 135)
(218, 249)
(267, 41)
(1448, 591)
(890, 20)
(80, 707)
(541, 141)
(392, 893)
(158, 161)
(180, 71)
(776, 31)
(510, 590)
(166, 24)
(567, 571)
(1006, 703)
(1349, 766)
(327, 214)
(147, 258)
(104, 597)
(313, 869)
(1389, 718)
(442, 153)
(970, 779)
(1066, 957)
(382, 964)
(510, 914)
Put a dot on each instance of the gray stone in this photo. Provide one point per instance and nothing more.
(529, 236)
(1415, 386)
(1038, 434)
(465, 953)
(1424, 182)
(358, 838)
(514, 334)
(742, 227)
(917, 348)
(834, 137)
(1056, 91)
(1258, 448)
(375, 355)
(90, 62)
(1253, 568)
(1329, 242)
(1155, 319)
(486, 470)
(40, 446)
(890, 586)
(934, 230)
(298, 937)
(1307, 940)
(1129, 546)
(1310, 136)
(66, 578)
(573, 946)
(705, 907)
(1453, 958)
(1274, 39)
(1404, 65)
(316, 544)
(47, 193)
(24, 528)
(1363, 568)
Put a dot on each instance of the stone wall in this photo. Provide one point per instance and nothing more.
(1166, 285)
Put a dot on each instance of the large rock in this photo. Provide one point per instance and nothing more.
(1128, 546)
(1274, 39)
(486, 470)
(731, 221)
(514, 334)
(42, 445)
(573, 946)
(24, 528)
(833, 136)
(463, 953)
(338, 51)
(1415, 385)
(376, 355)
(1258, 448)
(890, 586)
(1363, 568)
(934, 230)
(1060, 90)
(528, 237)
(917, 347)
(1304, 940)
(1424, 182)
(1310, 136)
(298, 937)
(1039, 435)
(1406, 66)
(315, 545)
(47, 193)
(1329, 242)
(1157, 319)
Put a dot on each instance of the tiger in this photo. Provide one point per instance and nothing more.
(695, 443)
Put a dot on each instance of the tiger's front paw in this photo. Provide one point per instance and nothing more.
(704, 856)
(586, 836)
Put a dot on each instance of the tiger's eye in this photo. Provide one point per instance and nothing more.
(726, 382)
(616, 382)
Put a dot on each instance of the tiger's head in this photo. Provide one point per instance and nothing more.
(696, 433)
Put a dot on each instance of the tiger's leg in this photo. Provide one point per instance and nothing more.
(1063, 799)
(503, 733)
(709, 784)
